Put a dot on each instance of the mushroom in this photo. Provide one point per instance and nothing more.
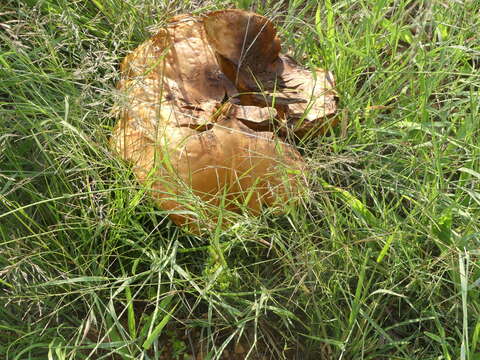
(205, 104)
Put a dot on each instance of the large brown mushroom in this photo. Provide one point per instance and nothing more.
(202, 103)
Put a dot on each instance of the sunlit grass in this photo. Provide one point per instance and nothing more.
(380, 262)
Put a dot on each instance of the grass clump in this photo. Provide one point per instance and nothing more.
(381, 262)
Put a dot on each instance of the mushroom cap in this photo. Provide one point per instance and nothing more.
(202, 103)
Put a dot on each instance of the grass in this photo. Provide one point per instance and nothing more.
(382, 262)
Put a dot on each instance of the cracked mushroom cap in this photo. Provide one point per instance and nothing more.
(200, 104)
